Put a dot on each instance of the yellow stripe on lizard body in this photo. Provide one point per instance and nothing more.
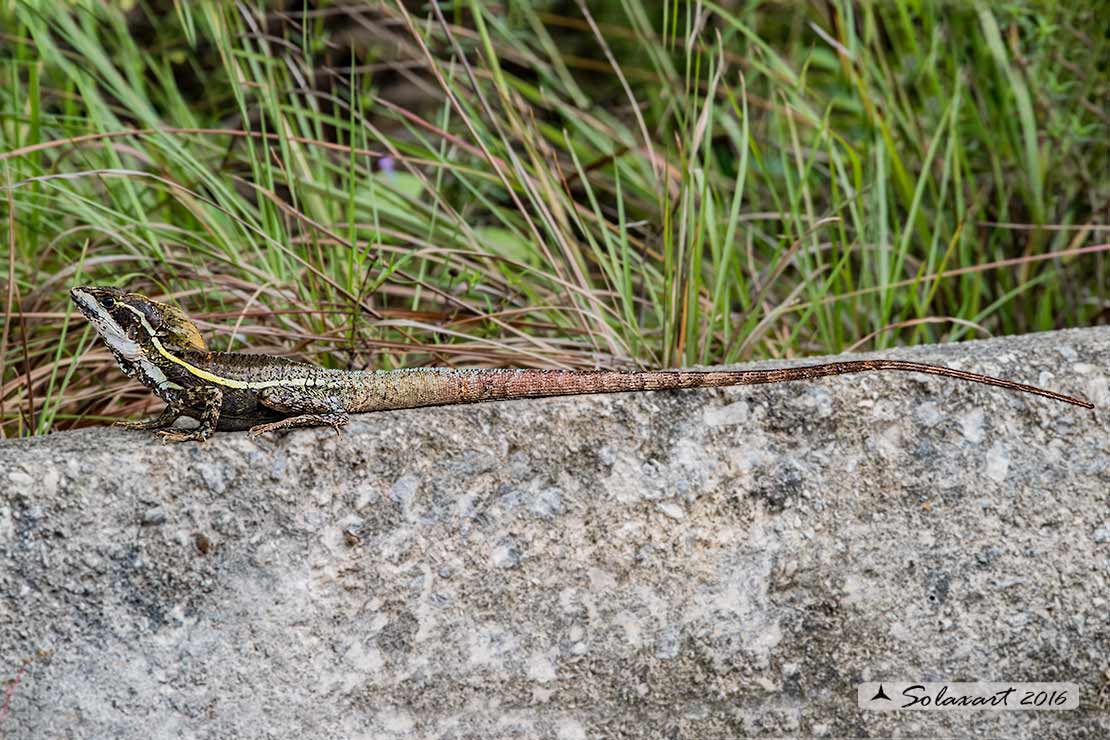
(232, 382)
(213, 377)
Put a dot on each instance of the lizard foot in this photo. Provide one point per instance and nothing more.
(139, 425)
(259, 429)
(175, 435)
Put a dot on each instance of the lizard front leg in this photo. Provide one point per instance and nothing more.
(173, 411)
(307, 408)
(209, 399)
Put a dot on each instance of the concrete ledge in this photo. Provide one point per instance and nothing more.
(687, 564)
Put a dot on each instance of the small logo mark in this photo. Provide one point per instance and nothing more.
(907, 695)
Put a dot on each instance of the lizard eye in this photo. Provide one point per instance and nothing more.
(109, 302)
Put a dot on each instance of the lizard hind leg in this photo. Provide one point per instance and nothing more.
(303, 420)
(305, 408)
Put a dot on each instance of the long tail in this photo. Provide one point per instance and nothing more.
(435, 387)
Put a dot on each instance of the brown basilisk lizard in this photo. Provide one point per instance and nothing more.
(158, 345)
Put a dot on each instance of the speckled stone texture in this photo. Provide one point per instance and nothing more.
(685, 564)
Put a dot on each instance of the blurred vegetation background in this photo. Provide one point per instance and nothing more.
(547, 184)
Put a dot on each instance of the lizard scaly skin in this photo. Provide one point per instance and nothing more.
(157, 344)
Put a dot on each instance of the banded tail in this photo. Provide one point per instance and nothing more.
(432, 387)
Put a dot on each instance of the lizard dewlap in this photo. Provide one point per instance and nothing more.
(156, 344)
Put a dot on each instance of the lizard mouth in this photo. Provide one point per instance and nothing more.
(114, 335)
(83, 299)
(86, 302)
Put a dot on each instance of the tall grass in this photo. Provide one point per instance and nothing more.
(593, 184)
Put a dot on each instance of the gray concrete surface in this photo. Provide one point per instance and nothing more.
(688, 564)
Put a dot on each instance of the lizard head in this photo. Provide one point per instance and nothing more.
(130, 324)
